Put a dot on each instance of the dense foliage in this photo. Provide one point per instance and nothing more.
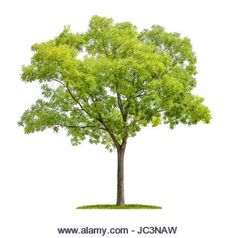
(109, 82)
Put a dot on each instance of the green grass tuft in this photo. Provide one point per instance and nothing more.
(113, 206)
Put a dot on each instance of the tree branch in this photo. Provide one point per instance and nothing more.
(73, 97)
(139, 93)
(100, 119)
(120, 102)
(79, 127)
(120, 105)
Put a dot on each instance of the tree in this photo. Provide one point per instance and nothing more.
(109, 82)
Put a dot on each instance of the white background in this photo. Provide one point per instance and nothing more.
(188, 171)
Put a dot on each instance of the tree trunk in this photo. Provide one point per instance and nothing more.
(120, 175)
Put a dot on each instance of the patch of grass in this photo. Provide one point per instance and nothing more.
(113, 206)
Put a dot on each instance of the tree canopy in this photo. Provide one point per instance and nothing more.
(109, 82)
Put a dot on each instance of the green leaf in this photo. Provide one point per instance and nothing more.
(109, 82)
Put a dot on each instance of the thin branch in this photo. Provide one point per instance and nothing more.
(58, 81)
(103, 45)
(100, 119)
(79, 127)
(73, 97)
(69, 91)
(140, 94)
(120, 105)
(120, 102)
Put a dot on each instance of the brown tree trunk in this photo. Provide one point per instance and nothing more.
(120, 175)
